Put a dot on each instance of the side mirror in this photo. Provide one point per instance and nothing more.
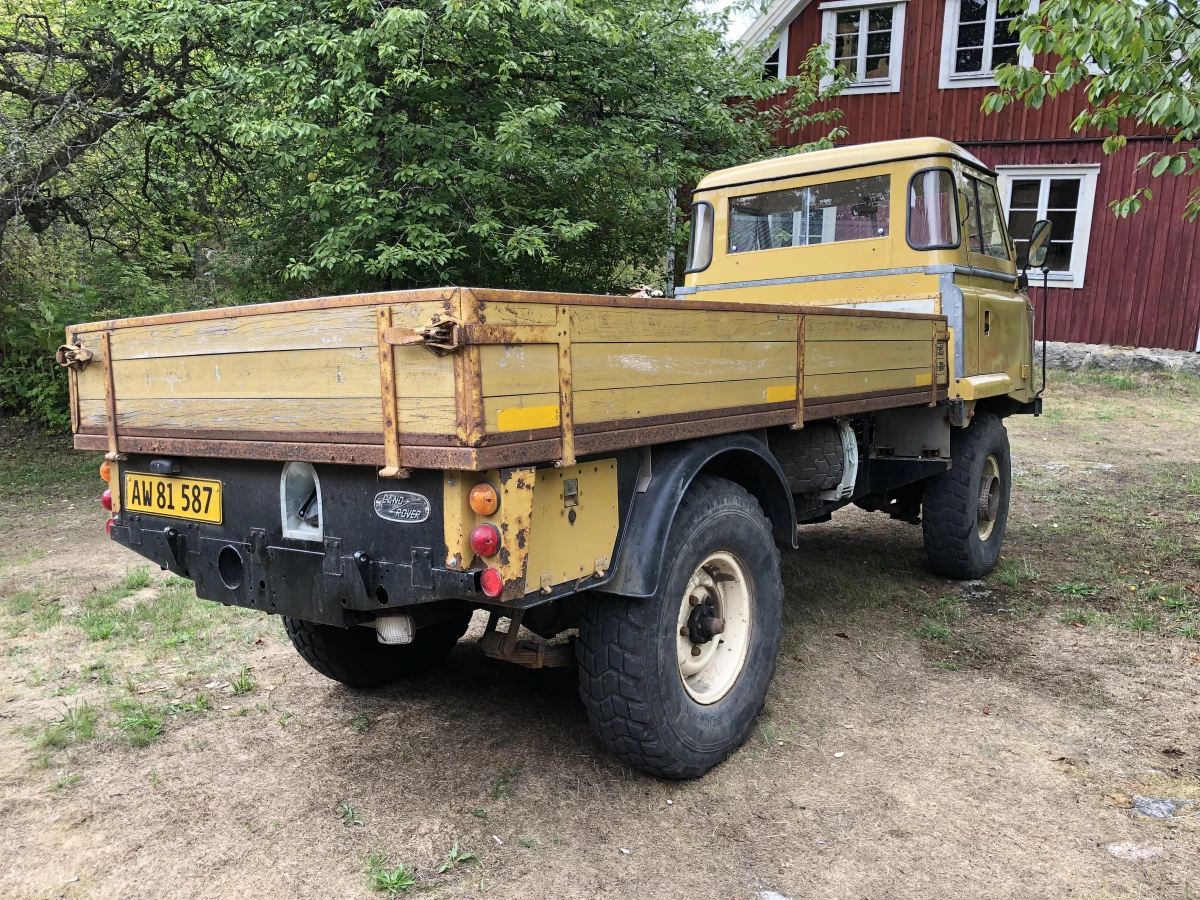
(1039, 242)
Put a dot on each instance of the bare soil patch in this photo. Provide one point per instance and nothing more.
(923, 738)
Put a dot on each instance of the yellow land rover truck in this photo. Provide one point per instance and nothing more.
(614, 474)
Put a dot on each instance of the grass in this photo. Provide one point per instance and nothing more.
(78, 723)
(1076, 589)
(1082, 616)
(349, 815)
(139, 722)
(392, 881)
(1012, 572)
(40, 467)
(242, 682)
(935, 631)
(456, 857)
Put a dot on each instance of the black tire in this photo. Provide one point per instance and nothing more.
(951, 516)
(629, 676)
(355, 657)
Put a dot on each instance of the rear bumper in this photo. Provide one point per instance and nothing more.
(362, 565)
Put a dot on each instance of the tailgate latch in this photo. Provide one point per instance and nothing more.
(73, 356)
(440, 337)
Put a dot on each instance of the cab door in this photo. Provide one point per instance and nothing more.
(1001, 326)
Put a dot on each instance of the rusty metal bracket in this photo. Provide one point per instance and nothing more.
(442, 336)
(799, 423)
(393, 464)
(73, 356)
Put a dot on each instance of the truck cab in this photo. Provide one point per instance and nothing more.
(905, 226)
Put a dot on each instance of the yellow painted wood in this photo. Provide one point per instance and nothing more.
(530, 368)
(523, 418)
(566, 550)
(597, 324)
(835, 357)
(827, 386)
(638, 403)
(420, 415)
(348, 372)
(506, 313)
(864, 328)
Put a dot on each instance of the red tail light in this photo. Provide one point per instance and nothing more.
(106, 500)
(491, 582)
(485, 540)
(108, 526)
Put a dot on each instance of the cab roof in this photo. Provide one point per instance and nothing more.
(838, 158)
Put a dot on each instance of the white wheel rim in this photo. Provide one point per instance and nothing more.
(989, 498)
(719, 582)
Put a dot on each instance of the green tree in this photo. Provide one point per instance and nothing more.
(1138, 62)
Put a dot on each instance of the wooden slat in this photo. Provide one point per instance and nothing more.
(419, 414)
(836, 357)
(634, 403)
(867, 328)
(348, 372)
(824, 386)
(526, 368)
(616, 325)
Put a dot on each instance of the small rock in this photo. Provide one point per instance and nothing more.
(838, 755)
(625, 851)
(1135, 851)
(771, 895)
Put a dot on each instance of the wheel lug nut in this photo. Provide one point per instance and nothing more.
(683, 632)
(717, 626)
(696, 650)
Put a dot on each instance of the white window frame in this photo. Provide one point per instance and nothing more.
(781, 44)
(890, 85)
(946, 76)
(1088, 175)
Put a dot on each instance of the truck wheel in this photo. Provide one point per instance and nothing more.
(355, 657)
(672, 683)
(966, 508)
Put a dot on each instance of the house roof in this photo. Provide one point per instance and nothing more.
(775, 17)
(837, 158)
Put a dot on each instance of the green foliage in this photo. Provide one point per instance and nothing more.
(162, 157)
(391, 881)
(1139, 65)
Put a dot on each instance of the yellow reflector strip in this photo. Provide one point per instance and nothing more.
(781, 393)
(522, 418)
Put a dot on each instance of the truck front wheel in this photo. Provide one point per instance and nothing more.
(965, 509)
(355, 657)
(672, 683)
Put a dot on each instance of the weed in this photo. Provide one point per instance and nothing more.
(360, 724)
(349, 815)
(77, 724)
(1188, 630)
(200, 703)
(769, 735)
(945, 666)
(528, 843)
(455, 858)
(140, 723)
(935, 631)
(65, 781)
(242, 682)
(1079, 615)
(1141, 622)
(99, 624)
(1013, 571)
(1076, 589)
(46, 614)
(154, 778)
(501, 784)
(392, 881)
(477, 812)
(138, 578)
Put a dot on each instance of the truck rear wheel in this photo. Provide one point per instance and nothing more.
(673, 682)
(355, 657)
(965, 509)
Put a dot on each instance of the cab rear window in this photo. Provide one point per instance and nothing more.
(853, 210)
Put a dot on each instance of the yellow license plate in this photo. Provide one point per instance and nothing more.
(198, 499)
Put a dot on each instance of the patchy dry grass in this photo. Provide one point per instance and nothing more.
(924, 738)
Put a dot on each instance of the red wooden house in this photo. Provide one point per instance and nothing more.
(922, 68)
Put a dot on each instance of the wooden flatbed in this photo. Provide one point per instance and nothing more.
(532, 377)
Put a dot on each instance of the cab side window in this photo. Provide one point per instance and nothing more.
(985, 220)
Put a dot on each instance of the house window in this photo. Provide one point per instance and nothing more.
(852, 210)
(866, 41)
(1063, 194)
(976, 40)
(771, 65)
(775, 64)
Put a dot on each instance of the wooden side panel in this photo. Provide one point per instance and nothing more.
(614, 325)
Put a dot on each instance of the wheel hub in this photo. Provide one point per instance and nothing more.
(989, 498)
(713, 627)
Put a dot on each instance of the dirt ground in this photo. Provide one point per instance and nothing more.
(923, 738)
